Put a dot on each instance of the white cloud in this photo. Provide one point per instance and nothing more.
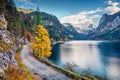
(95, 16)
(113, 7)
(90, 17)
(82, 17)
(74, 19)
(92, 11)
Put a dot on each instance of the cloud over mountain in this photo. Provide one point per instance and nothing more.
(82, 17)
(113, 7)
(93, 15)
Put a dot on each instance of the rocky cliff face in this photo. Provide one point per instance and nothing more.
(7, 55)
(109, 28)
(109, 22)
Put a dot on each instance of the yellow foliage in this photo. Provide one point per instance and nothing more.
(26, 11)
(3, 23)
(5, 47)
(41, 42)
(1, 49)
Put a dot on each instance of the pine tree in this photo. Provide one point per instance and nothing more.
(38, 17)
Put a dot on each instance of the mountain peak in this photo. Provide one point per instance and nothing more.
(103, 18)
(117, 13)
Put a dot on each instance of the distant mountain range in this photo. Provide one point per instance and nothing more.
(84, 28)
(81, 26)
(108, 28)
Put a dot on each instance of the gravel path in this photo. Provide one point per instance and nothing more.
(40, 69)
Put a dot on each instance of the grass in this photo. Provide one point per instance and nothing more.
(5, 47)
(73, 75)
(19, 50)
(26, 11)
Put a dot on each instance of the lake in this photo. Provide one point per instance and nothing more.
(102, 58)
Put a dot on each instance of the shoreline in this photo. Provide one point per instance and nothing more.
(68, 73)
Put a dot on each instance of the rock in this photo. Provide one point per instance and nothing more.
(1, 72)
(7, 54)
(3, 22)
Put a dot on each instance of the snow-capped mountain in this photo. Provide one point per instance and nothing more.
(81, 22)
(84, 28)
(82, 25)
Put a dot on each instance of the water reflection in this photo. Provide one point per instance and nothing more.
(83, 55)
(100, 57)
(55, 57)
(113, 69)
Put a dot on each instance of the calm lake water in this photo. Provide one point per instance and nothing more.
(101, 57)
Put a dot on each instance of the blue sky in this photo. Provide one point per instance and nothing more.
(64, 9)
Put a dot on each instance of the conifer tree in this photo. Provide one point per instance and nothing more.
(38, 17)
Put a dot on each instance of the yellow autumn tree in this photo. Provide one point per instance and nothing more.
(41, 42)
